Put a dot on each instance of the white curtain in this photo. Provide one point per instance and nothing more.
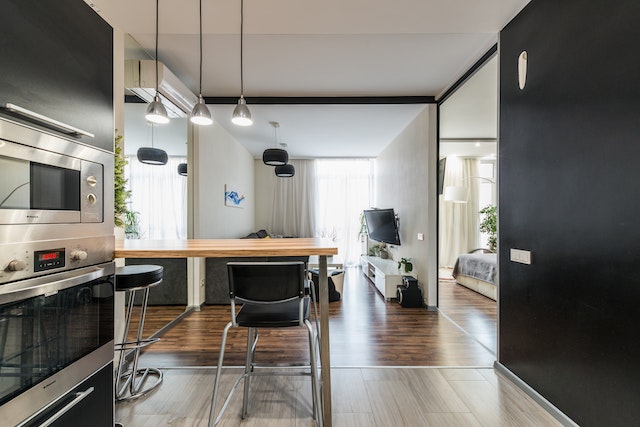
(344, 188)
(459, 232)
(295, 202)
(159, 195)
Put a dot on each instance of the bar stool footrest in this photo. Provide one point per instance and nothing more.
(143, 382)
(132, 345)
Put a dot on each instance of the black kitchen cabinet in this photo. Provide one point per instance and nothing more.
(94, 404)
(56, 59)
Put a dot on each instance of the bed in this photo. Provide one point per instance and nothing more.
(477, 271)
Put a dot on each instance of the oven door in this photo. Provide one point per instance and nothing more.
(55, 332)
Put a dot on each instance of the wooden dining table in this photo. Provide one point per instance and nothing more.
(199, 249)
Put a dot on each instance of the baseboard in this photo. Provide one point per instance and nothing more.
(548, 406)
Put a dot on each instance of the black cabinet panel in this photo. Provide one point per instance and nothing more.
(568, 157)
(57, 60)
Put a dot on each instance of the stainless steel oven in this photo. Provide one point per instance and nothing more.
(55, 332)
(56, 279)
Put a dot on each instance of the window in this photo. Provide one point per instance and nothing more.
(486, 191)
(344, 188)
(159, 196)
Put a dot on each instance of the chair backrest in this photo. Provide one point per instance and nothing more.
(264, 282)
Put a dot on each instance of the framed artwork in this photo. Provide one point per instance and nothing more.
(233, 197)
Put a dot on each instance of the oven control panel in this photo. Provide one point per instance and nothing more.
(49, 259)
(26, 260)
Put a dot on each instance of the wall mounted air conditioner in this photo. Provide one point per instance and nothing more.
(140, 78)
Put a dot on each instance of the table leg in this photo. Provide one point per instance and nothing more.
(325, 355)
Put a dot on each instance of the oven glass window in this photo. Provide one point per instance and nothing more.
(54, 188)
(32, 185)
(42, 335)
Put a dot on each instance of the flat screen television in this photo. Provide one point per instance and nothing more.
(382, 225)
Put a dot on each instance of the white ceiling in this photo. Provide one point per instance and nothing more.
(334, 48)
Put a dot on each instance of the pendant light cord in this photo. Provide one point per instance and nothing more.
(157, 14)
(275, 125)
(200, 87)
(241, 47)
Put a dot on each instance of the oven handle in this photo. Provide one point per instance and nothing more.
(50, 285)
(79, 398)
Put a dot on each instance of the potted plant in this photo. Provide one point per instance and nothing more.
(405, 265)
(374, 250)
(132, 225)
(488, 224)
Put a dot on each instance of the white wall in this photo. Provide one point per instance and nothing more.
(220, 160)
(265, 189)
(406, 174)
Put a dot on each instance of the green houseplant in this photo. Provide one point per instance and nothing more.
(132, 225)
(488, 224)
(121, 194)
(374, 250)
(405, 265)
(363, 224)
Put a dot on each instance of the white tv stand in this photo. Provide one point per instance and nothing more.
(383, 273)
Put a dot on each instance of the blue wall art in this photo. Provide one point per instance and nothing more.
(233, 197)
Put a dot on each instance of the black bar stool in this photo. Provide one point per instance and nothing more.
(133, 383)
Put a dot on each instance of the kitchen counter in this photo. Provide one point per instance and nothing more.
(199, 249)
(220, 248)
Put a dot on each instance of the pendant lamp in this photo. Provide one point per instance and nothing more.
(200, 114)
(156, 113)
(151, 155)
(182, 169)
(275, 156)
(285, 171)
(241, 114)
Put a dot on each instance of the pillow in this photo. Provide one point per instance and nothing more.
(260, 234)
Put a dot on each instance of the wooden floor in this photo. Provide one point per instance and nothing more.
(365, 331)
(473, 312)
(367, 397)
(380, 354)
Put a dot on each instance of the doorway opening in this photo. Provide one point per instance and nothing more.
(467, 207)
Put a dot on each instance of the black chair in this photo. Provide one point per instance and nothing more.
(273, 295)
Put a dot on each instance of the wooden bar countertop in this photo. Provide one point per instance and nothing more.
(220, 248)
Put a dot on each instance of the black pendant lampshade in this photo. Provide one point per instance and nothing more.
(285, 171)
(152, 156)
(275, 157)
(182, 169)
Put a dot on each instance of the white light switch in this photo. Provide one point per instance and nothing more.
(521, 256)
(420, 236)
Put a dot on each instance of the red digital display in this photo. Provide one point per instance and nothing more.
(48, 256)
(49, 259)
